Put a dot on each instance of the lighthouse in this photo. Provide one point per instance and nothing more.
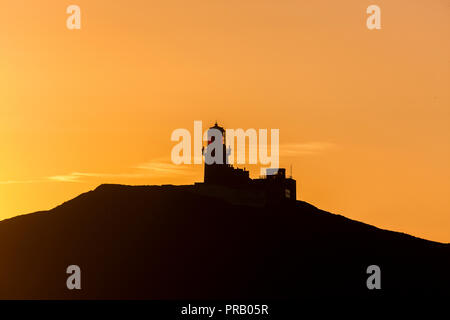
(213, 133)
(215, 153)
(217, 169)
(221, 175)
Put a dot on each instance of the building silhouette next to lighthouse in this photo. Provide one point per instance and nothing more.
(224, 180)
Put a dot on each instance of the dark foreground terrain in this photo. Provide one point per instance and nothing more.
(171, 243)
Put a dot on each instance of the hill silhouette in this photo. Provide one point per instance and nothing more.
(169, 242)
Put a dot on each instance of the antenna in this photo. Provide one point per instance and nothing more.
(291, 171)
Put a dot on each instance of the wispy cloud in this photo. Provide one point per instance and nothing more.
(151, 169)
(65, 178)
(161, 168)
(165, 168)
(310, 148)
(77, 176)
(20, 181)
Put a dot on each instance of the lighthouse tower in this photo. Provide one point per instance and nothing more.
(217, 169)
(215, 165)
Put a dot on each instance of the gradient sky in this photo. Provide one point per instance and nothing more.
(363, 115)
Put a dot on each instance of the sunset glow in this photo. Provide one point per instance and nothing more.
(363, 114)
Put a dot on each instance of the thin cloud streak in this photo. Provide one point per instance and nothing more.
(149, 170)
(164, 168)
(20, 181)
(153, 169)
(310, 148)
(64, 178)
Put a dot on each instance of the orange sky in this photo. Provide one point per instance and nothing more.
(363, 115)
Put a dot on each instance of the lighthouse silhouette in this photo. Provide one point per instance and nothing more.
(273, 187)
(217, 168)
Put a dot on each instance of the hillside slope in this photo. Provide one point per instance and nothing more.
(151, 242)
